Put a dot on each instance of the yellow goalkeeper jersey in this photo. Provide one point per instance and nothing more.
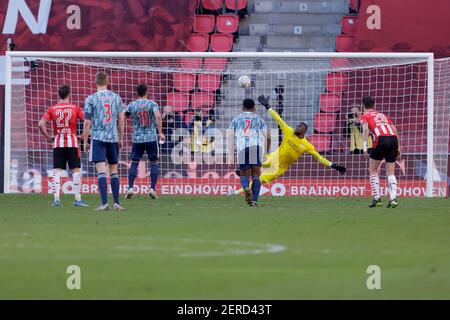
(292, 147)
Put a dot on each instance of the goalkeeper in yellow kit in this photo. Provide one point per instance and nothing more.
(293, 146)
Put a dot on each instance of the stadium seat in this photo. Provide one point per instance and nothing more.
(324, 122)
(221, 42)
(215, 63)
(321, 142)
(212, 4)
(329, 102)
(191, 63)
(198, 42)
(337, 82)
(235, 4)
(344, 43)
(354, 5)
(227, 23)
(348, 25)
(209, 82)
(178, 100)
(339, 63)
(202, 100)
(184, 81)
(204, 23)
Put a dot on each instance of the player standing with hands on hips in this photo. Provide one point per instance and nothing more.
(65, 116)
(385, 146)
(104, 111)
(146, 119)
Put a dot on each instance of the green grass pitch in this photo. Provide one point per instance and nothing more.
(217, 248)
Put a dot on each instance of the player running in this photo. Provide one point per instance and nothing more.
(293, 146)
(64, 116)
(146, 118)
(251, 138)
(385, 146)
(104, 112)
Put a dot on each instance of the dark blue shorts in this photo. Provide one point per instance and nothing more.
(250, 157)
(151, 148)
(104, 152)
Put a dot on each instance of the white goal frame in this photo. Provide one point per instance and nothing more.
(429, 57)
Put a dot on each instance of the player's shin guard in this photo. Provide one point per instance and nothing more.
(115, 187)
(154, 171)
(132, 173)
(245, 182)
(56, 184)
(76, 178)
(392, 183)
(103, 187)
(375, 185)
(256, 187)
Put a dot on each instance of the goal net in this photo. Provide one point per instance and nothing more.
(199, 95)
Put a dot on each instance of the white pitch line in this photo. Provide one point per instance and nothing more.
(259, 248)
(235, 247)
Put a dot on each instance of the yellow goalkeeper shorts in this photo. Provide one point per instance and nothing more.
(272, 169)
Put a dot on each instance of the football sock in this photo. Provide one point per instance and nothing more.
(103, 187)
(115, 187)
(392, 183)
(132, 173)
(256, 187)
(241, 190)
(56, 184)
(154, 169)
(375, 185)
(245, 182)
(76, 178)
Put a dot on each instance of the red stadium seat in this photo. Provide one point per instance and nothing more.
(215, 63)
(354, 5)
(324, 122)
(339, 63)
(198, 42)
(191, 63)
(344, 43)
(204, 23)
(321, 142)
(184, 81)
(227, 23)
(178, 100)
(329, 102)
(212, 4)
(221, 42)
(202, 100)
(235, 4)
(209, 82)
(337, 82)
(348, 25)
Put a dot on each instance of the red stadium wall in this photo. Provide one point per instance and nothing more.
(404, 26)
(119, 25)
(95, 25)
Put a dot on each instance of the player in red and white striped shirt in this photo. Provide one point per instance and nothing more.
(385, 146)
(64, 116)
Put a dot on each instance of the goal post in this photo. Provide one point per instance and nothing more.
(319, 88)
(7, 125)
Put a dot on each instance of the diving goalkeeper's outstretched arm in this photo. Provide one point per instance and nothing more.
(283, 125)
(327, 162)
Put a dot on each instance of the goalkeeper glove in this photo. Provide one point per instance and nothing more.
(339, 168)
(264, 101)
